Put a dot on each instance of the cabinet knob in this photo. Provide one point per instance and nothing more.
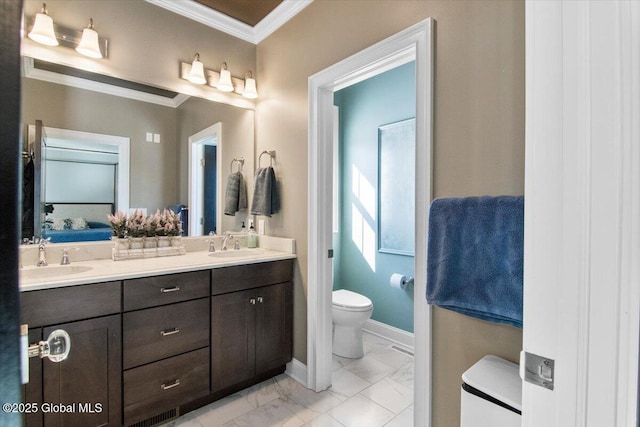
(260, 300)
(252, 301)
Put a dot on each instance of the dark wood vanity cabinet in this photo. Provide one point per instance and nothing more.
(251, 328)
(145, 350)
(84, 389)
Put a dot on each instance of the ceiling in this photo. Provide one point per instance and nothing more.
(248, 11)
(249, 20)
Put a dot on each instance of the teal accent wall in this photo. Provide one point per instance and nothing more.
(358, 265)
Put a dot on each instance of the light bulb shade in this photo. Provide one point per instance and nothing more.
(225, 84)
(89, 45)
(42, 31)
(196, 75)
(250, 88)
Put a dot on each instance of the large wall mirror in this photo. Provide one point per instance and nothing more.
(160, 136)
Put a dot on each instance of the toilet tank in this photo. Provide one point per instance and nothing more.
(491, 394)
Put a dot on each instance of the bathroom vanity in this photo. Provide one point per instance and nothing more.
(148, 346)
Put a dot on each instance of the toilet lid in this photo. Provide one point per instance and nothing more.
(351, 300)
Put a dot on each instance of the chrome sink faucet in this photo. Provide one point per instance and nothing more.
(227, 236)
(42, 259)
(212, 247)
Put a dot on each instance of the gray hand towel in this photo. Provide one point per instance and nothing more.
(236, 194)
(266, 200)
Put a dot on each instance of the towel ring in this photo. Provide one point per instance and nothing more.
(271, 154)
(240, 162)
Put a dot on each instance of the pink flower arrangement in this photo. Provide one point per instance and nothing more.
(165, 223)
(118, 222)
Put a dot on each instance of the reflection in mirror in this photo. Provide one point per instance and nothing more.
(159, 140)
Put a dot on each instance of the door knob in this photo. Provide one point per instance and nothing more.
(56, 348)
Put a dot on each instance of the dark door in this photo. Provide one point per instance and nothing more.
(210, 183)
(273, 326)
(232, 338)
(90, 379)
(10, 386)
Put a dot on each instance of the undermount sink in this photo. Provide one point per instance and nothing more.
(53, 271)
(232, 253)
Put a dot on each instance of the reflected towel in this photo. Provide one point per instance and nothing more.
(236, 194)
(266, 200)
(475, 257)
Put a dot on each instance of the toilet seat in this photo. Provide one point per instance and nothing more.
(350, 301)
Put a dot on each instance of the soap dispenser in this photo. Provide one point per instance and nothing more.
(252, 237)
(243, 229)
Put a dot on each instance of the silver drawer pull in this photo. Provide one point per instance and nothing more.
(260, 300)
(172, 289)
(176, 383)
(167, 332)
(252, 301)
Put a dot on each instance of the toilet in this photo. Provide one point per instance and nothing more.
(491, 394)
(350, 311)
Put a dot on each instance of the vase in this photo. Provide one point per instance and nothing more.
(176, 240)
(121, 243)
(163, 241)
(149, 242)
(135, 243)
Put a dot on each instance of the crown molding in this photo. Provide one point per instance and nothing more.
(219, 21)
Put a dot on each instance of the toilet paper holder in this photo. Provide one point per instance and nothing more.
(399, 281)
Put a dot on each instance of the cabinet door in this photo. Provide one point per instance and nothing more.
(274, 318)
(232, 338)
(85, 389)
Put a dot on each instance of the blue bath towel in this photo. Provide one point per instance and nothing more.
(475, 257)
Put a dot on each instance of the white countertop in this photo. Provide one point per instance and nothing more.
(105, 270)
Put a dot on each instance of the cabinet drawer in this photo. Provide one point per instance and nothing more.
(157, 290)
(160, 332)
(155, 388)
(240, 277)
(67, 304)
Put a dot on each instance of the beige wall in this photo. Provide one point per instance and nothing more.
(478, 135)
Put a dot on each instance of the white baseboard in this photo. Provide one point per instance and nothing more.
(298, 371)
(390, 333)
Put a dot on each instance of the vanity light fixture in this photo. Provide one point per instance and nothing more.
(249, 86)
(196, 75)
(89, 45)
(225, 84)
(42, 31)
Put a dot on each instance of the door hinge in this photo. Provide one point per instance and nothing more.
(537, 370)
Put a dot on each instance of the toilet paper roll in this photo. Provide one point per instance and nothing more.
(398, 281)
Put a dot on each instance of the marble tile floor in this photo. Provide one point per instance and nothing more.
(376, 390)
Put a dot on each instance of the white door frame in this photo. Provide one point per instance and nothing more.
(196, 176)
(416, 43)
(122, 143)
(582, 211)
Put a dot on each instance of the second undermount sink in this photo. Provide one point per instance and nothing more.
(241, 253)
(53, 271)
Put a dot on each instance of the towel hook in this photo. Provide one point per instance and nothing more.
(240, 162)
(271, 154)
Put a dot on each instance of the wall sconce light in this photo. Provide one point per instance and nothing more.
(196, 75)
(86, 42)
(224, 83)
(89, 45)
(249, 86)
(42, 31)
(222, 80)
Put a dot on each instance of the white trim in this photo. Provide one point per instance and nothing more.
(122, 143)
(80, 83)
(582, 216)
(196, 176)
(297, 370)
(390, 333)
(219, 21)
(417, 40)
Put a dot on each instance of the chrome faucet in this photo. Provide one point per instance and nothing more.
(65, 257)
(236, 245)
(212, 247)
(227, 236)
(42, 260)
